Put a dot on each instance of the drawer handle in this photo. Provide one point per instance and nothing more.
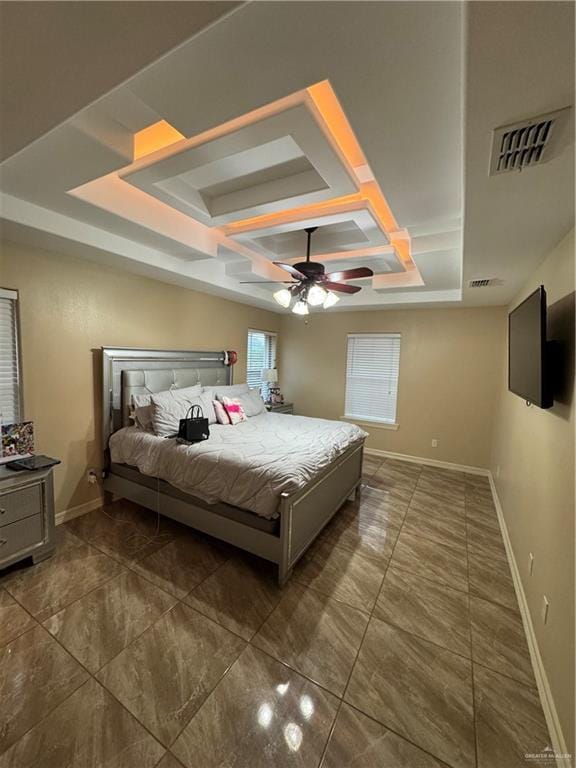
(3, 541)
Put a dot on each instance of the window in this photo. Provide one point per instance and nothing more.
(372, 367)
(10, 397)
(261, 354)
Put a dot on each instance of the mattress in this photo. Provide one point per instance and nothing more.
(248, 465)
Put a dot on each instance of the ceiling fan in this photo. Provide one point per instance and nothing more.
(311, 285)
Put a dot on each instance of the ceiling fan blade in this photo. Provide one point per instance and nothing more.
(341, 287)
(289, 268)
(350, 274)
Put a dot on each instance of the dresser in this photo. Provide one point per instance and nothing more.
(26, 515)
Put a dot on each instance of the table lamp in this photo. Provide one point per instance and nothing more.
(270, 377)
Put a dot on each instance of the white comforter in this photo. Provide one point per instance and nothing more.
(248, 465)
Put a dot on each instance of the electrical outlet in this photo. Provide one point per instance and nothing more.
(530, 563)
(545, 607)
(434, 443)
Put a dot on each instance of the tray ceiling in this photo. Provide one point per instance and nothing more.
(206, 166)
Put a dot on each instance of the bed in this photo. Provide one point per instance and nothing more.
(268, 486)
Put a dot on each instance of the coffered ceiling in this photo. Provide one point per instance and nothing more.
(206, 166)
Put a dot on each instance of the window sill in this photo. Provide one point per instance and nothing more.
(370, 424)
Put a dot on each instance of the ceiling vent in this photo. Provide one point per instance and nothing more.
(530, 142)
(484, 282)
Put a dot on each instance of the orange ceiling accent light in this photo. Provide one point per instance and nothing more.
(154, 137)
(326, 103)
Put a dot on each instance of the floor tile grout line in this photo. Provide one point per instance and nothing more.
(471, 650)
(134, 639)
(353, 665)
(93, 675)
(149, 581)
(214, 621)
(371, 615)
(208, 696)
(51, 709)
(100, 683)
(397, 733)
(34, 619)
(114, 556)
(105, 688)
(445, 584)
(77, 599)
(469, 596)
(133, 562)
(474, 718)
(294, 670)
(299, 673)
(503, 674)
(424, 639)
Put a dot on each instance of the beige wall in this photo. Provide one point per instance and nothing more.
(533, 467)
(450, 363)
(69, 308)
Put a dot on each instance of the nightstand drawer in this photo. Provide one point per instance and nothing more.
(21, 535)
(280, 408)
(21, 503)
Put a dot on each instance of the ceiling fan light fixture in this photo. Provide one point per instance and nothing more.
(300, 308)
(283, 297)
(316, 296)
(330, 300)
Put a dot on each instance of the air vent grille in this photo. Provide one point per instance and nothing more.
(528, 143)
(484, 282)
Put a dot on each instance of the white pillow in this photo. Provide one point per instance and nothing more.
(140, 401)
(141, 410)
(252, 403)
(169, 407)
(230, 390)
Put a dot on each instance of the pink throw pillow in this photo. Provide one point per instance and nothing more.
(221, 413)
(234, 410)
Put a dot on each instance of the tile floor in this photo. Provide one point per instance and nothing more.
(397, 643)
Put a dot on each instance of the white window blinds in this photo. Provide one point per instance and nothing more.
(10, 405)
(372, 367)
(261, 354)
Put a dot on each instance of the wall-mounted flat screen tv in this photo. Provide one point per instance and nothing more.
(528, 364)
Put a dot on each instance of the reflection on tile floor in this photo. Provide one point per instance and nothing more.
(397, 644)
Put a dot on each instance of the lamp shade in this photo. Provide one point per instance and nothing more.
(270, 375)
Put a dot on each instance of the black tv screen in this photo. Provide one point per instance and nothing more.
(527, 370)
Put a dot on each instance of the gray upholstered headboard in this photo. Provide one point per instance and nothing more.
(128, 371)
(144, 382)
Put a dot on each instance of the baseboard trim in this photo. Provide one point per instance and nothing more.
(546, 698)
(81, 509)
(430, 462)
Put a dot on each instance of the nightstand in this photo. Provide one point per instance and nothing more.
(281, 408)
(26, 515)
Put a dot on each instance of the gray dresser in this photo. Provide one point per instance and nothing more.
(26, 515)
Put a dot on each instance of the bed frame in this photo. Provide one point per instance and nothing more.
(302, 515)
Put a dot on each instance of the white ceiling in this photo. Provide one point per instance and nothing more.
(425, 129)
(123, 38)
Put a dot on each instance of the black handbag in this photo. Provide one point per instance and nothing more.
(194, 428)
